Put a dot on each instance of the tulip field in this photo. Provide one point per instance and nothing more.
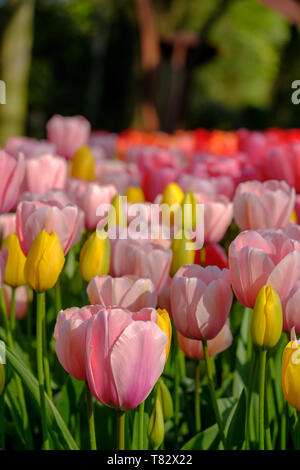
(150, 290)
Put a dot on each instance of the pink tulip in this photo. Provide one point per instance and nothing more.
(70, 335)
(90, 198)
(32, 217)
(283, 163)
(143, 259)
(7, 224)
(44, 173)
(21, 300)
(291, 310)
(125, 356)
(29, 147)
(263, 205)
(164, 301)
(201, 299)
(297, 207)
(193, 348)
(263, 258)
(128, 292)
(3, 260)
(11, 177)
(218, 212)
(68, 134)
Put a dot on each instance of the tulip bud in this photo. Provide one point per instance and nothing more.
(14, 270)
(293, 218)
(166, 400)
(83, 165)
(172, 196)
(183, 252)
(156, 427)
(290, 374)
(2, 377)
(117, 212)
(44, 262)
(164, 323)
(95, 256)
(189, 211)
(135, 194)
(266, 324)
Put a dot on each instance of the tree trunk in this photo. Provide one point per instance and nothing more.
(15, 59)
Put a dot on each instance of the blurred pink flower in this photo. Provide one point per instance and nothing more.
(128, 292)
(33, 217)
(7, 224)
(258, 258)
(11, 177)
(263, 205)
(44, 173)
(68, 134)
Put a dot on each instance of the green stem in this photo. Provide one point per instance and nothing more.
(262, 381)
(40, 367)
(141, 425)
(213, 393)
(2, 422)
(5, 320)
(283, 426)
(176, 387)
(298, 432)
(121, 430)
(58, 296)
(197, 397)
(248, 431)
(45, 354)
(90, 415)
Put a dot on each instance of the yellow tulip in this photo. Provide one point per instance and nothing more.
(266, 324)
(14, 271)
(290, 375)
(189, 211)
(117, 213)
(94, 257)
(172, 196)
(183, 252)
(45, 261)
(164, 323)
(135, 195)
(293, 217)
(83, 164)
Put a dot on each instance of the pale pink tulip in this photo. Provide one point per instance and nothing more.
(33, 217)
(11, 177)
(21, 300)
(164, 301)
(68, 134)
(193, 348)
(70, 334)
(258, 258)
(125, 356)
(143, 259)
(263, 205)
(128, 292)
(28, 146)
(7, 224)
(218, 211)
(90, 198)
(44, 173)
(201, 299)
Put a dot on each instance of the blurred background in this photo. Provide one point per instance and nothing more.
(149, 64)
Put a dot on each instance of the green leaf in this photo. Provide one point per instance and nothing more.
(241, 355)
(55, 421)
(204, 440)
(235, 425)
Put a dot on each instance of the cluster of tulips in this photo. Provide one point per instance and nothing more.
(175, 345)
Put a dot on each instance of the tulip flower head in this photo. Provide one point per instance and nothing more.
(44, 262)
(182, 252)
(290, 373)
(135, 195)
(83, 164)
(94, 256)
(164, 323)
(189, 211)
(266, 324)
(125, 356)
(171, 197)
(14, 270)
